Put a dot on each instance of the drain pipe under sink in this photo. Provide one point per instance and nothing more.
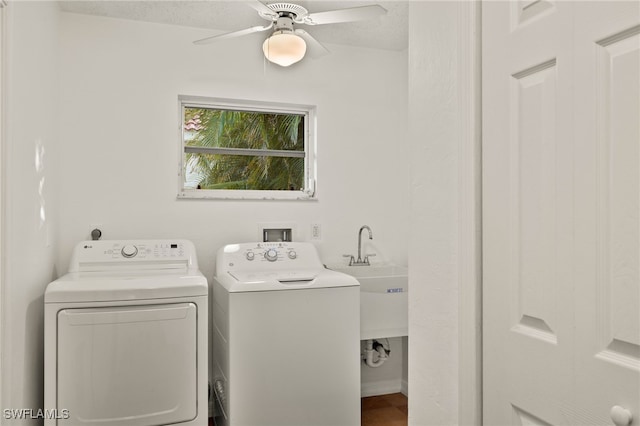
(372, 347)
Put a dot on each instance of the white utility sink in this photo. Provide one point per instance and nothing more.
(383, 299)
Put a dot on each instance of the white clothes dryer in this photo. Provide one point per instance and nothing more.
(126, 336)
(286, 338)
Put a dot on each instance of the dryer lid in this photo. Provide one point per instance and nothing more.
(75, 287)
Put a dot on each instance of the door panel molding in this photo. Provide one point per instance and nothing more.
(618, 196)
(532, 218)
(469, 219)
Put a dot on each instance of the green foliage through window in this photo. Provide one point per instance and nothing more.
(243, 150)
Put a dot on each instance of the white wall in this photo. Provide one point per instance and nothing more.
(119, 137)
(31, 223)
(434, 117)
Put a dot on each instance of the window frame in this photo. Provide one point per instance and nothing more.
(310, 155)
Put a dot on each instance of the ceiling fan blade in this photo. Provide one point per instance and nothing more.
(233, 34)
(345, 15)
(315, 49)
(261, 8)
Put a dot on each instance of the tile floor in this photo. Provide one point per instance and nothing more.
(382, 410)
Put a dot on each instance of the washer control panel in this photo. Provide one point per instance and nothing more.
(269, 255)
(271, 252)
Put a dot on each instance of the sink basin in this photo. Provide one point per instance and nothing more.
(383, 299)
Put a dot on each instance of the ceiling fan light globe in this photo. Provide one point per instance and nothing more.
(284, 48)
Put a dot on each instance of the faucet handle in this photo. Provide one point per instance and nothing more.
(351, 258)
(366, 258)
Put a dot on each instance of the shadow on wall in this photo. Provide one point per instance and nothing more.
(34, 344)
(34, 365)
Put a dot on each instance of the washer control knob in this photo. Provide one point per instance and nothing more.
(271, 255)
(250, 255)
(621, 416)
(129, 250)
(292, 254)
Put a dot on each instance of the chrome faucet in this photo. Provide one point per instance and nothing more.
(360, 261)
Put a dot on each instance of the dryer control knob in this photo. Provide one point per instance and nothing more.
(271, 255)
(250, 255)
(292, 254)
(129, 250)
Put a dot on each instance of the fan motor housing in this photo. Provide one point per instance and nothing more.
(284, 23)
(295, 12)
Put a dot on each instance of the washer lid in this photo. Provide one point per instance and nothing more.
(301, 279)
(101, 287)
(301, 276)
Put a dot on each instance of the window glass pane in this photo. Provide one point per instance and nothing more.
(218, 128)
(216, 171)
(238, 149)
(215, 141)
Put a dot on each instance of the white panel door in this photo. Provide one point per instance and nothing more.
(607, 203)
(561, 212)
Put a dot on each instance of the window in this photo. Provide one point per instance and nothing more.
(246, 150)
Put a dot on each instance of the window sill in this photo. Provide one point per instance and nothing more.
(214, 194)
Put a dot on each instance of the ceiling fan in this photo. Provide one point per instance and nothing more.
(286, 45)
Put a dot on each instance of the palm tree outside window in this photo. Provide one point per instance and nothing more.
(236, 149)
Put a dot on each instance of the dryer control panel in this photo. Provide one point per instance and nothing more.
(268, 256)
(108, 254)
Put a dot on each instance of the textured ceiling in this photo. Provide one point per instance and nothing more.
(386, 32)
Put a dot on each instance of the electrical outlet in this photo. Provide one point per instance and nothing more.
(316, 231)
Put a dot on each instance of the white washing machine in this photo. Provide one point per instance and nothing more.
(286, 338)
(126, 336)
